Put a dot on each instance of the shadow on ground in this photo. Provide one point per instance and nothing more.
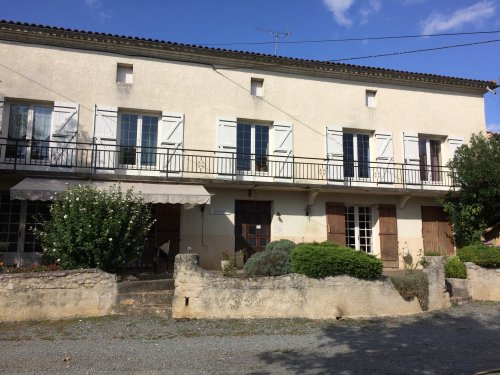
(440, 343)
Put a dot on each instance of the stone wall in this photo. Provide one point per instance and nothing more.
(484, 283)
(55, 295)
(204, 294)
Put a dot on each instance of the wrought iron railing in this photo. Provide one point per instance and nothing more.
(102, 157)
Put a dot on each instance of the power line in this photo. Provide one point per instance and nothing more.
(414, 51)
(388, 37)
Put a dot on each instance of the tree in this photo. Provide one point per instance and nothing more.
(477, 204)
(88, 228)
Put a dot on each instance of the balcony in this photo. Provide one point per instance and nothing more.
(173, 164)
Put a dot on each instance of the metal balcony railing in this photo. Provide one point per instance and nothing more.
(108, 158)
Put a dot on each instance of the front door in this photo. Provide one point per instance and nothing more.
(252, 228)
(436, 230)
(167, 228)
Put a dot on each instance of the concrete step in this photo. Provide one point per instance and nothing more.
(158, 310)
(142, 286)
(460, 300)
(146, 298)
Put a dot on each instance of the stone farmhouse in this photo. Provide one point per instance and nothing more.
(234, 149)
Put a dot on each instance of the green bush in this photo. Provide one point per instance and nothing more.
(88, 228)
(484, 256)
(268, 263)
(319, 260)
(455, 268)
(411, 284)
(285, 245)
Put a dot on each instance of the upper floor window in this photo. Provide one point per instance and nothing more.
(356, 148)
(124, 73)
(371, 99)
(29, 131)
(252, 147)
(430, 159)
(138, 139)
(257, 87)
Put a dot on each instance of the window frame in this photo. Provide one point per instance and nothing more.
(257, 86)
(137, 148)
(27, 147)
(250, 159)
(359, 170)
(354, 211)
(430, 172)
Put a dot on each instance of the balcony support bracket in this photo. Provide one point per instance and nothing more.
(403, 200)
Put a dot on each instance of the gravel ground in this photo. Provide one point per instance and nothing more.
(460, 340)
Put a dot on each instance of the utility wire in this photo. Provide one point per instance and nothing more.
(415, 51)
(389, 37)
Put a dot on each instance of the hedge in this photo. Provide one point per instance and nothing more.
(285, 245)
(455, 268)
(268, 263)
(411, 284)
(320, 260)
(482, 255)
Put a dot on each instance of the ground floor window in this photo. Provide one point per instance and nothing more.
(17, 221)
(358, 228)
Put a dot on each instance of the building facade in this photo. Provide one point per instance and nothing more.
(235, 149)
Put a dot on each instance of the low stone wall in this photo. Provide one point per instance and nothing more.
(55, 295)
(484, 283)
(203, 294)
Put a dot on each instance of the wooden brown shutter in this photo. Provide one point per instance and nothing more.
(437, 232)
(388, 236)
(335, 220)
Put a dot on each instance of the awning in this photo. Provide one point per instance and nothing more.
(44, 188)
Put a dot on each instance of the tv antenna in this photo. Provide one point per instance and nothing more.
(277, 35)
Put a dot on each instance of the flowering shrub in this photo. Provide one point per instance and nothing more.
(89, 228)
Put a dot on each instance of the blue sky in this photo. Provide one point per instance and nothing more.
(236, 21)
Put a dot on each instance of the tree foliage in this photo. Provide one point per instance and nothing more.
(88, 228)
(477, 206)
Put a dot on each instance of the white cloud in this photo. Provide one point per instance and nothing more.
(493, 127)
(92, 3)
(474, 14)
(340, 8)
(369, 9)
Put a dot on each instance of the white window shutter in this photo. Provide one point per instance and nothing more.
(226, 145)
(64, 127)
(385, 157)
(283, 150)
(171, 142)
(106, 126)
(454, 142)
(335, 154)
(412, 158)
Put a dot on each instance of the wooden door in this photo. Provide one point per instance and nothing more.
(335, 222)
(388, 225)
(252, 227)
(167, 228)
(436, 230)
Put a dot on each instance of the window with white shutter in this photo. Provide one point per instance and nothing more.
(283, 150)
(106, 126)
(226, 145)
(171, 135)
(385, 157)
(411, 158)
(454, 142)
(64, 131)
(335, 154)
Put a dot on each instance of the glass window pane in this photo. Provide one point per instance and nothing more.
(363, 146)
(243, 147)
(149, 140)
(18, 124)
(128, 138)
(261, 148)
(41, 133)
(348, 144)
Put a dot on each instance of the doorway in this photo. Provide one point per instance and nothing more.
(252, 227)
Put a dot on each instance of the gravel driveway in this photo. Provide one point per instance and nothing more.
(460, 340)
